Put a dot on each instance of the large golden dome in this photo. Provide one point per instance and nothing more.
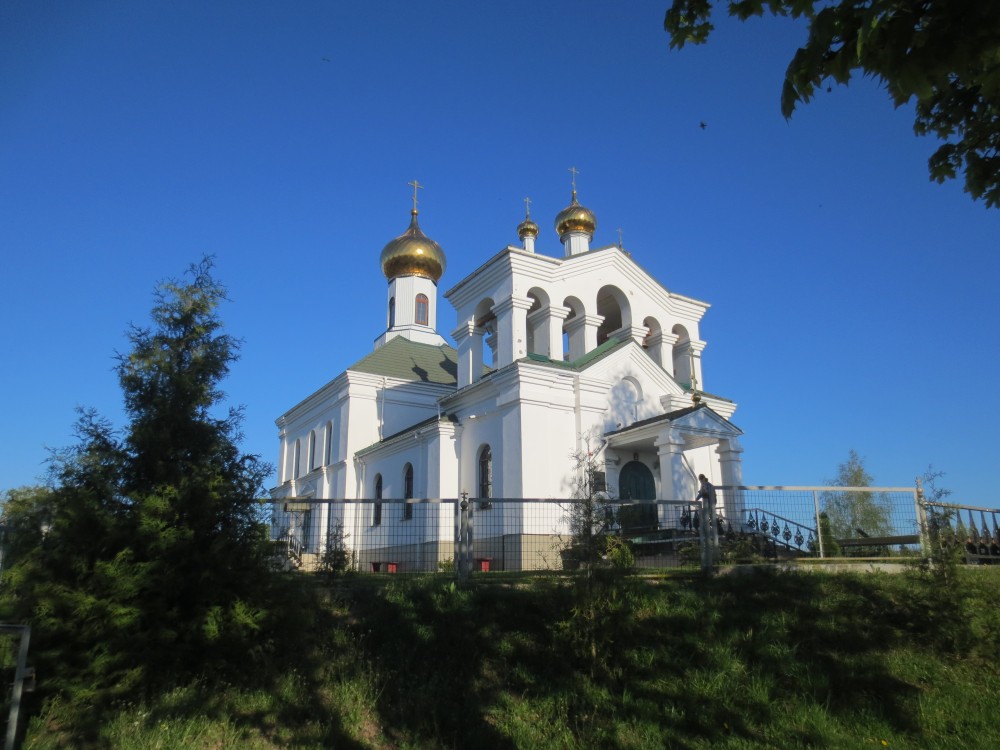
(576, 218)
(413, 254)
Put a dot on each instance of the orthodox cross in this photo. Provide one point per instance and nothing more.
(527, 207)
(574, 171)
(416, 186)
(695, 396)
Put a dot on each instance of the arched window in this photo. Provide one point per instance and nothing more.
(328, 444)
(408, 492)
(296, 459)
(420, 313)
(485, 477)
(312, 450)
(392, 311)
(377, 508)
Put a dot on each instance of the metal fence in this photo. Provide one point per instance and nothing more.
(749, 523)
(970, 528)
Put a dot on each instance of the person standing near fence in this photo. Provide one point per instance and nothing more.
(709, 535)
(706, 493)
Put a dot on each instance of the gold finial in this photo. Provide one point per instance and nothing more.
(574, 171)
(527, 228)
(619, 238)
(416, 186)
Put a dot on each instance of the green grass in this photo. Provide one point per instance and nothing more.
(758, 660)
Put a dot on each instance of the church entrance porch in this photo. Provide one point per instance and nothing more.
(682, 444)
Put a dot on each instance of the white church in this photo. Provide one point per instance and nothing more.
(555, 357)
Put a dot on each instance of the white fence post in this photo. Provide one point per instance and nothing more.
(819, 526)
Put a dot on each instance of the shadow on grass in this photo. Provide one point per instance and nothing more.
(761, 659)
(678, 663)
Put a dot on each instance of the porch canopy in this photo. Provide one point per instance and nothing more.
(673, 435)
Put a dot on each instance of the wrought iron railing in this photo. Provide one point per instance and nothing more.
(974, 529)
(515, 534)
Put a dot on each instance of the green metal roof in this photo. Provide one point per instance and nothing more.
(408, 360)
(582, 362)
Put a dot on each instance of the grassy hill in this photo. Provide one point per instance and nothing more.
(746, 660)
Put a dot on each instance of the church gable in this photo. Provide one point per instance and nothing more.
(703, 420)
(634, 386)
(698, 420)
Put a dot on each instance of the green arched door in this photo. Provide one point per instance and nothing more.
(635, 482)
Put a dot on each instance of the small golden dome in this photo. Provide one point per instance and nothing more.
(527, 228)
(576, 218)
(413, 254)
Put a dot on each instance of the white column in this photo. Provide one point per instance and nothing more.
(512, 329)
(538, 332)
(546, 327)
(731, 465)
(661, 349)
(554, 330)
(696, 348)
(577, 340)
(470, 352)
(675, 478)
(670, 452)
(593, 322)
(582, 332)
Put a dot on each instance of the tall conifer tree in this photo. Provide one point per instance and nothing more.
(145, 559)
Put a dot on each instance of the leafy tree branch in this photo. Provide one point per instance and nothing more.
(944, 55)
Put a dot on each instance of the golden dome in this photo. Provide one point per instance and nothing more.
(527, 228)
(413, 254)
(576, 218)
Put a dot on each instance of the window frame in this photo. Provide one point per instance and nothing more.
(484, 477)
(377, 506)
(408, 491)
(421, 305)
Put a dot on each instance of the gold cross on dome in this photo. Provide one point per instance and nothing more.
(574, 171)
(527, 207)
(416, 186)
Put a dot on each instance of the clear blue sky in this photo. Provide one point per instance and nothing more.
(853, 299)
